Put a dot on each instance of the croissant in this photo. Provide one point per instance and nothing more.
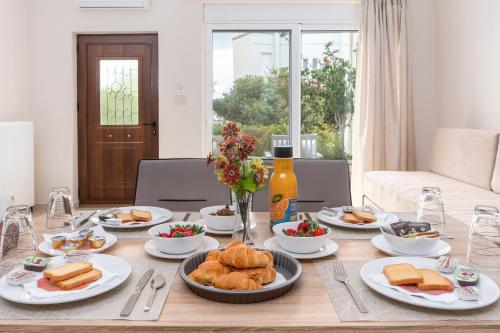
(260, 275)
(234, 243)
(213, 255)
(236, 281)
(241, 256)
(208, 271)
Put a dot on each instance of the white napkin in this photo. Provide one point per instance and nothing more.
(446, 298)
(34, 291)
(98, 231)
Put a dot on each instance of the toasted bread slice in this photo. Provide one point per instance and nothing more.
(78, 280)
(141, 215)
(433, 280)
(67, 271)
(400, 274)
(350, 218)
(125, 217)
(364, 216)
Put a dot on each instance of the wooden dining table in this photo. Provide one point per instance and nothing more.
(306, 308)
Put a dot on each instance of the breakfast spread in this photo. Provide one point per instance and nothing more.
(306, 229)
(35, 264)
(20, 277)
(179, 231)
(85, 239)
(238, 267)
(424, 279)
(134, 215)
(447, 264)
(467, 277)
(226, 211)
(411, 230)
(468, 293)
(71, 275)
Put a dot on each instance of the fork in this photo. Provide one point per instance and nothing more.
(341, 276)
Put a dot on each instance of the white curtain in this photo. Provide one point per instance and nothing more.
(383, 137)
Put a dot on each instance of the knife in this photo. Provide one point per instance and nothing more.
(137, 292)
(186, 217)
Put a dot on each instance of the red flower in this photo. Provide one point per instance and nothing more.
(247, 146)
(209, 159)
(231, 174)
(230, 132)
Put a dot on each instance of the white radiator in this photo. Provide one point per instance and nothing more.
(17, 174)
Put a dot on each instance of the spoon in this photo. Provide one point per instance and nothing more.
(157, 282)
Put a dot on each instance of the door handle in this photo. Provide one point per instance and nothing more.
(150, 124)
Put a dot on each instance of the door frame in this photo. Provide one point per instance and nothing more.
(82, 41)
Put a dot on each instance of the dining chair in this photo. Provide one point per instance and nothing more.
(320, 183)
(183, 184)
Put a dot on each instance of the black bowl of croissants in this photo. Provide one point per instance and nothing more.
(240, 274)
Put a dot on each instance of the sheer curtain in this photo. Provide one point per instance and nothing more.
(383, 137)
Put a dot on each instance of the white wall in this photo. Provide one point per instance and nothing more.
(52, 84)
(468, 63)
(13, 60)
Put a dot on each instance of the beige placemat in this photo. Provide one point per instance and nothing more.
(382, 308)
(105, 306)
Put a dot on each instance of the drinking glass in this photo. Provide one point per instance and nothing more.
(17, 233)
(483, 250)
(60, 212)
(430, 208)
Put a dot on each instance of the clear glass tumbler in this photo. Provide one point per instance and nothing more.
(431, 210)
(17, 233)
(60, 212)
(483, 251)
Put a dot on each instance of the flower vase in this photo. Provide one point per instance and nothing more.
(242, 230)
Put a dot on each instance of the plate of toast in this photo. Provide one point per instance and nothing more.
(65, 280)
(424, 282)
(131, 217)
(356, 217)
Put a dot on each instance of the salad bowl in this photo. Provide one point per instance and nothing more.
(293, 236)
(177, 237)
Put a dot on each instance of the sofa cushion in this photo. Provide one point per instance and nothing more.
(398, 191)
(495, 180)
(465, 154)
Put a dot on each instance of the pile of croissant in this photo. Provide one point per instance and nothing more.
(238, 267)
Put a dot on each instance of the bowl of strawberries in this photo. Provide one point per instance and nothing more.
(177, 237)
(301, 237)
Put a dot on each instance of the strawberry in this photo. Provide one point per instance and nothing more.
(319, 232)
(291, 232)
(303, 226)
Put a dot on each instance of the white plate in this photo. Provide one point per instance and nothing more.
(208, 244)
(330, 248)
(488, 289)
(380, 243)
(46, 247)
(209, 230)
(113, 264)
(382, 219)
(160, 215)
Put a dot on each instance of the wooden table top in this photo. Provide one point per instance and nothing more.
(306, 307)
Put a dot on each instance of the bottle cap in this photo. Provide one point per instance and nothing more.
(283, 152)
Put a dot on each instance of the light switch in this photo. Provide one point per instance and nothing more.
(179, 97)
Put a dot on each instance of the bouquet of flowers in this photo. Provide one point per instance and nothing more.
(235, 167)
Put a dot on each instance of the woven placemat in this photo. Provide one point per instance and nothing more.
(105, 306)
(382, 308)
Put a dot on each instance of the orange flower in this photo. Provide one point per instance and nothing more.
(209, 160)
(230, 132)
(231, 174)
(260, 176)
(247, 146)
(220, 163)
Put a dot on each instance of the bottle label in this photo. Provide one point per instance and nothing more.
(283, 209)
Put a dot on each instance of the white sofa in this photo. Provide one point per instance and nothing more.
(465, 164)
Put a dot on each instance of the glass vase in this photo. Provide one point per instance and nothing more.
(242, 230)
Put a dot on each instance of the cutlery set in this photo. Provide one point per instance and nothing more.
(157, 282)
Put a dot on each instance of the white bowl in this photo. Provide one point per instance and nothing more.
(175, 245)
(222, 223)
(412, 246)
(299, 244)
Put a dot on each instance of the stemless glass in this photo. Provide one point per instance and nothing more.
(17, 233)
(483, 250)
(60, 212)
(430, 208)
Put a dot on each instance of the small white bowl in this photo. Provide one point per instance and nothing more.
(222, 223)
(175, 245)
(299, 244)
(412, 246)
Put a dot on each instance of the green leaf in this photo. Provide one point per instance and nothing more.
(250, 185)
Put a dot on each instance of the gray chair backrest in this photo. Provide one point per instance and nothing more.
(179, 185)
(320, 183)
(308, 144)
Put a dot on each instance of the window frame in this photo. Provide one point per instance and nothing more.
(294, 68)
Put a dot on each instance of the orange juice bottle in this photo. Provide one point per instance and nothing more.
(283, 187)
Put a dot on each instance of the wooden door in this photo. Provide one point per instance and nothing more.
(117, 114)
